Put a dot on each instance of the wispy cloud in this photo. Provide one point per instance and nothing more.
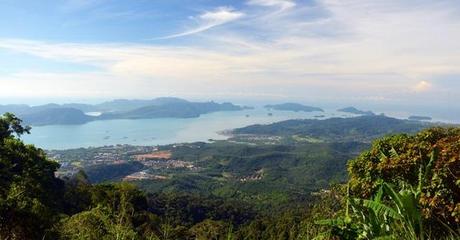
(350, 48)
(281, 4)
(208, 20)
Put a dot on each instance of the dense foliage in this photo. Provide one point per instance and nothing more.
(111, 172)
(29, 192)
(397, 160)
(363, 129)
(34, 204)
(354, 110)
(404, 187)
(261, 174)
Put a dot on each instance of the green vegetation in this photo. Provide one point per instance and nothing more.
(263, 174)
(111, 172)
(172, 110)
(267, 170)
(404, 187)
(359, 129)
(28, 188)
(356, 111)
(400, 159)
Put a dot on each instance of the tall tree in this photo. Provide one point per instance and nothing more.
(29, 191)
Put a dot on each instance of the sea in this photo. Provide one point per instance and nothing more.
(162, 131)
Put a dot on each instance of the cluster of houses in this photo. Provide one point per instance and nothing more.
(151, 157)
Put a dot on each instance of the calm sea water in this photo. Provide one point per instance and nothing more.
(156, 131)
(173, 130)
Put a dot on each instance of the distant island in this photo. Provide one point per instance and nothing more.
(356, 111)
(419, 118)
(362, 128)
(295, 107)
(76, 113)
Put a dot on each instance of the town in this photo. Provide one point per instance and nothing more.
(153, 160)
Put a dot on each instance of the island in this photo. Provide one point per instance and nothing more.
(356, 111)
(76, 113)
(419, 118)
(361, 128)
(295, 107)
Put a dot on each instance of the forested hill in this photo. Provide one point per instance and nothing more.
(172, 110)
(402, 187)
(76, 113)
(364, 128)
(295, 107)
(265, 164)
(355, 111)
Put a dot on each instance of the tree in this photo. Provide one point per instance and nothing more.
(210, 229)
(399, 159)
(28, 188)
(10, 124)
(95, 224)
(117, 211)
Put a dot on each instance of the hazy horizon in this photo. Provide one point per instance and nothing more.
(377, 53)
(447, 113)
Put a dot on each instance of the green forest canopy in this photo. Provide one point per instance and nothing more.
(34, 204)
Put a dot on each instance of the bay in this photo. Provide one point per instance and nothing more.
(157, 131)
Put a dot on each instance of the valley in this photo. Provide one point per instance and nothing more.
(269, 164)
(230, 120)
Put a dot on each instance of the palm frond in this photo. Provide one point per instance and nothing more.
(381, 209)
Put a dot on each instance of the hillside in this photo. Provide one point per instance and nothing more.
(295, 107)
(74, 113)
(267, 164)
(264, 174)
(177, 109)
(354, 110)
(227, 190)
(363, 129)
(56, 116)
(123, 105)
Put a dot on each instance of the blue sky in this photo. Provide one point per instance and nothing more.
(382, 51)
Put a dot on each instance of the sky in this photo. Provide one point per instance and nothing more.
(374, 51)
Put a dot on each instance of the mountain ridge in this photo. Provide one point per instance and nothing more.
(74, 113)
(295, 107)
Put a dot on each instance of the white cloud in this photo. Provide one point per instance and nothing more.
(422, 86)
(347, 48)
(281, 4)
(210, 19)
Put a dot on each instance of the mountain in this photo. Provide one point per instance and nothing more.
(74, 113)
(123, 105)
(296, 107)
(14, 108)
(56, 116)
(233, 190)
(47, 114)
(308, 156)
(172, 109)
(419, 118)
(82, 107)
(355, 111)
(363, 128)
